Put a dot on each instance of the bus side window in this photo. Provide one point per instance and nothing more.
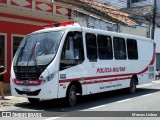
(91, 47)
(72, 53)
(132, 49)
(105, 51)
(119, 48)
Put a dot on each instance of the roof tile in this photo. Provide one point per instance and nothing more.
(110, 11)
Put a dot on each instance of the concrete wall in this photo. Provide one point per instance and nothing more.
(157, 39)
(94, 22)
(136, 30)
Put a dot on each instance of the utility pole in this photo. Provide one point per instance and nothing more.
(154, 19)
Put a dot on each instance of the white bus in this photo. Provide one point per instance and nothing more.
(70, 60)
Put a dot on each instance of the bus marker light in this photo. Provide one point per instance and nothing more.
(59, 24)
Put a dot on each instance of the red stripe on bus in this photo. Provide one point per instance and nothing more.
(109, 80)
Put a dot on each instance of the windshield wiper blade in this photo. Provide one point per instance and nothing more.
(31, 53)
(30, 56)
(20, 54)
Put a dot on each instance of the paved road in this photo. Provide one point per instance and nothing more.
(147, 98)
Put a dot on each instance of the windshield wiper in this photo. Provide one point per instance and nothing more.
(20, 54)
(31, 54)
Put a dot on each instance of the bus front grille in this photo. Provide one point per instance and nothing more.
(28, 73)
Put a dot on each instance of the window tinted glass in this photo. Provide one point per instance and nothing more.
(119, 48)
(132, 49)
(2, 49)
(73, 53)
(91, 46)
(16, 42)
(104, 47)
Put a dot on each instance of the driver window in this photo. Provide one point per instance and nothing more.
(72, 53)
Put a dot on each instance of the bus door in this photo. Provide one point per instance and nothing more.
(91, 66)
(72, 57)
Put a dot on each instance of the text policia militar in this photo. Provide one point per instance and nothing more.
(107, 70)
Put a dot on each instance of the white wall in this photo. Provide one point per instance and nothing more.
(115, 3)
(137, 30)
(157, 39)
(158, 6)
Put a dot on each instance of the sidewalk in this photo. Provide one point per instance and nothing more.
(11, 100)
(156, 81)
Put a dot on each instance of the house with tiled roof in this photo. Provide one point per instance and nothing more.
(89, 13)
(21, 17)
(93, 14)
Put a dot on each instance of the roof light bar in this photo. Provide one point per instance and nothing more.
(60, 24)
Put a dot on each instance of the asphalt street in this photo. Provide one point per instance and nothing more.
(112, 105)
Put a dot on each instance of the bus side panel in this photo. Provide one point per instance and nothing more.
(67, 76)
(146, 59)
(115, 71)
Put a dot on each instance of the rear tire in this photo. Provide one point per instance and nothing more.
(33, 100)
(72, 95)
(133, 87)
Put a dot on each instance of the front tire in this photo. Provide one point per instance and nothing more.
(133, 87)
(33, 100)
(72, 95)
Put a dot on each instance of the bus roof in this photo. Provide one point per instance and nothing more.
(77, 27)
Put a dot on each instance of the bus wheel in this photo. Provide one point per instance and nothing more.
(33, 100)
(132, 88)
(72, 95)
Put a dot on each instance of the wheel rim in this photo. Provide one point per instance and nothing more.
(72, 95)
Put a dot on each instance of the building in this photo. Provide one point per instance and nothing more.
(157, 40)
(89, 13)
(138, 30)
(157, 33)
(146, 11)
(20, 17)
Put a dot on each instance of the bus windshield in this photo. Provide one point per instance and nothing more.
(38, 49)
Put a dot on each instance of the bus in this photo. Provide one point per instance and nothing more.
(66, 60)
